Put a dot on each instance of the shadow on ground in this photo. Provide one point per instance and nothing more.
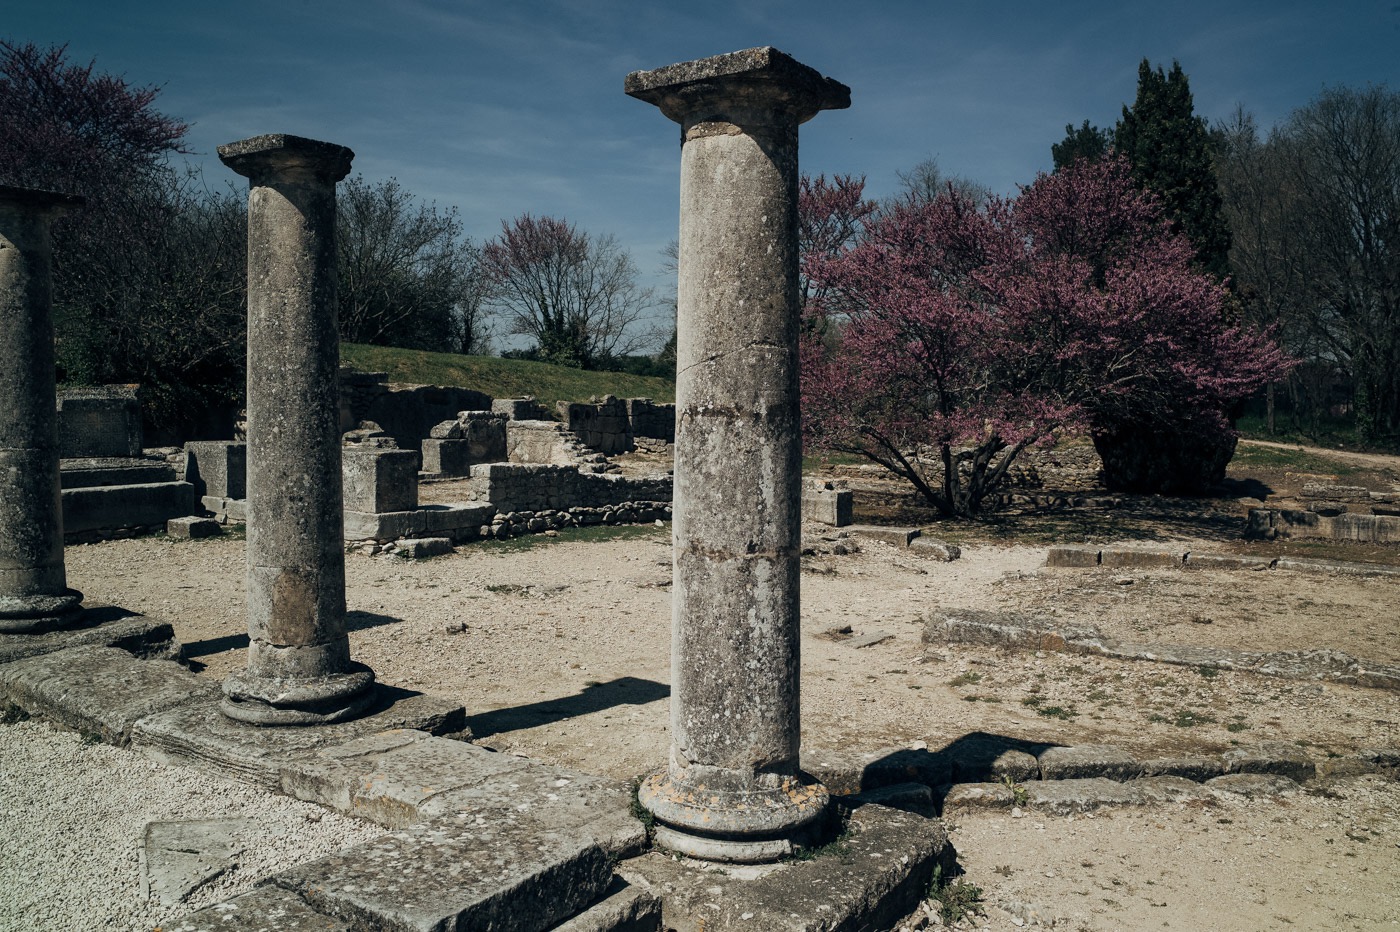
(625, 690)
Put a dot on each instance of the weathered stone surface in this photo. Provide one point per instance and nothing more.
(935, 549)
(191, 527)
(299, 667)
(424, 547)
(380, 480)
(90, 473)
(1170, 789)
(625, 908)
(733, 779)
(217, 468)
(99, 421)
(457, 872)
(200, 736)
(456, 522)
(1337, 567)
(34, 595)
(963, 797)
(1195, 768)
(1133, 557)
(874, 877)
(977, 761)
(1335, 493)
(178, 858)
(845, 772)
(1277, 757)
(97, 627)
(267, 908)
(898, 536)
(1088, 760)
(100, 691)
(107, 507)
(1227, 561)
(1081, 795)
(1006, 629)
(1072, 555)
(1253, 785)
(825, 502)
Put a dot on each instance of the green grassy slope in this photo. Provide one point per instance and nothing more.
(503, 378)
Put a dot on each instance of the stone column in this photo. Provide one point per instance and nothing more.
(299, 668)
(34, 593)
(732, 790)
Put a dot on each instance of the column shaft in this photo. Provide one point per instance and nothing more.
(34, 594)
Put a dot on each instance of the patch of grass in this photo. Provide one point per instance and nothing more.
(641, 813)
(1237, 727)
(1186, 718)
(963, 679)
(1209, 673)
(503, 378)
(836, 848)
(1065, 713)
(1018, 792)
(957, 899)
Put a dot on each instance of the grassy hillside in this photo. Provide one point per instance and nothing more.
(502, 378)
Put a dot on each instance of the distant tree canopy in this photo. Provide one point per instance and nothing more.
(1086, 142)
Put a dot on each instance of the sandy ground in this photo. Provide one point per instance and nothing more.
(559, 648)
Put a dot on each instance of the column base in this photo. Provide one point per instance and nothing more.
(717, 814)
(35, 614)
(281, 701)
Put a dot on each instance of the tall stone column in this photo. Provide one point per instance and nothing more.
(34, 593)
(299, 668)
(732, 790)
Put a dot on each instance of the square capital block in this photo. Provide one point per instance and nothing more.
(758, 78)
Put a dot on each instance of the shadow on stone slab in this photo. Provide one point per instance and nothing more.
(101, 626)
(623, 908)
(625, 690)
(354, 621)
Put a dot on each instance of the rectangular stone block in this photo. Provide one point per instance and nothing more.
(458, 522)
(380, 481)
(106, 508)
(625, 908)
(1276, 757)
(1145, 559)
(1227, 561)
(101, 626)
(99, 420)
(899, 536)
(217, 468)
(827, 505)
(1062, 797)
(191, 527)
(91, 473)
(1072, 555)
(1088, 760)
(457, 872)
(268, 908)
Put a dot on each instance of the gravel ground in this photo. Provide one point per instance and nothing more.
(74, 816)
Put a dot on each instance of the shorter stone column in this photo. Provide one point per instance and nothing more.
(299, 668)
(34, 593)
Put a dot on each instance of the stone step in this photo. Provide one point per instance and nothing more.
(98, 626)
(461, 871)
(265, 909)
(624, 908)
(101, 691)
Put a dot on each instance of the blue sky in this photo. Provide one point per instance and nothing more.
(506, 107)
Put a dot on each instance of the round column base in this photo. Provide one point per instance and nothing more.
(35, 614)
(722, 815)
(282, 701)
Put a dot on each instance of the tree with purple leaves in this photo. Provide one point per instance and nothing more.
(958, 336)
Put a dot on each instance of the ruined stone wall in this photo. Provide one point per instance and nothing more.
(99, 421)
(407, 413)
(541, 487)
(651, 419)
(604, 426)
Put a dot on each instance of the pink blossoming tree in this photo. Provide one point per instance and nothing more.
(958, 336)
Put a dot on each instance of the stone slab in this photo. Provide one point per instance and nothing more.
(989, 760)
(87, 473)
(234, 510)
(102, 626)
(1125, 557)
(1088, 760)
(200, 736)
(100, 691)
(1197, 768)
(191, 527)
(624, 908)
(1072, 555)
(845, 771)
(1253, 785)
(970, 796)
(1286, 760)
(455, 521)
(1169, 789)
(869, 879)
(1227, 561)
(1061, 797)
(1309, 565)
(457, 872)
(899, 536)
(109, 507)
(266, 909)
(177, 858)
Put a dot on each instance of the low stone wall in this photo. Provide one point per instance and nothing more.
(652, 420)
(541, 487)
(604, 426)
(1364, 528)
(100, 512)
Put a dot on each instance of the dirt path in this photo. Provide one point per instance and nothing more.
(1370, 460)
(560, 650)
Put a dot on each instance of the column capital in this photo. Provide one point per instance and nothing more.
(762, 79)
(274, 155)
(38, 199)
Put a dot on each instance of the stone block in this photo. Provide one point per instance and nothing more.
(191, 527)
(179, 857)
(99, 420)
(845, 772)
(102, 691)
(1197, 768)
(980, 761)
(933, 549)
(380, 481)
(964, 797)
(624, 908)
(457, 522)
(458, 872)
(268, 908)
(1088, 760)
(520, 409)
(899, 536)
(232, 510)
(1072, 555)
(1319, 491)
(424, 547)
(91, 473)
(825, 503)
(98, 627)
(106, 508)
(1227, 561)
(1063, 797)
(217, 468)
(1276, 757)
(1132, 557)
(1170, 789)
(200, 736)
(1253, 785)
(882, 872)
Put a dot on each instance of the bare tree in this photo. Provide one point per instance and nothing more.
(408, 275)
(576, 295)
